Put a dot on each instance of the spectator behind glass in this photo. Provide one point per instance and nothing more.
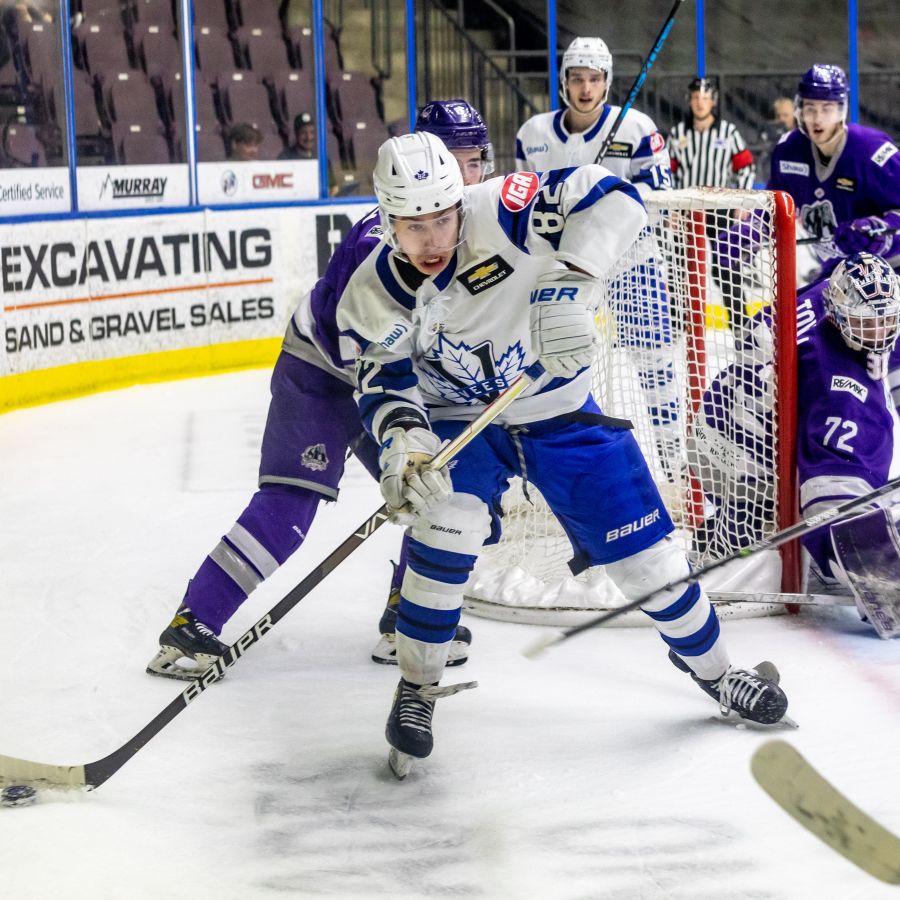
(304, 146)
(781, 123)
(783, 110)
(244, 140)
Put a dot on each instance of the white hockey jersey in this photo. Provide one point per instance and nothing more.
(451, 344)
(638, 152)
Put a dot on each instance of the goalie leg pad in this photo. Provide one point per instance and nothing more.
(683, 616)
(443, 547)
(867, 550)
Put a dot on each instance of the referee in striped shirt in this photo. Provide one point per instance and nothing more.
(706, 151)
(710, 152)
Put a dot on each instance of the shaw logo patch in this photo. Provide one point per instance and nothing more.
(619, 150)
(485, 275)
(314, 457)
(518, 190)
(657, 142)
(397, 330)
(786, 167)
(883, 153)
(849, 386)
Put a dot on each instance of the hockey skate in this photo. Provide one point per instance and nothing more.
(385, 651)
(408, 728)
(753, 694)
(185, 637)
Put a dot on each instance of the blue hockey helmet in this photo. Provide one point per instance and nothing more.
(824, 82)
(863, 300)
(460, 126)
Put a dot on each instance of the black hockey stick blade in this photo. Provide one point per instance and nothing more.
(789, 779)
(792, 532)
(92, 775)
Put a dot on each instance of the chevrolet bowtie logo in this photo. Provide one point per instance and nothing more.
(483, 272)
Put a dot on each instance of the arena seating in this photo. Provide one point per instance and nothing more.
(250, 66)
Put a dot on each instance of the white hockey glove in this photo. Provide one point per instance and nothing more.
(408, 484)
(563, 332)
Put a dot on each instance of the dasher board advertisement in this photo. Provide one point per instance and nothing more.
(249, 182)
(132, 187)
(27, 191)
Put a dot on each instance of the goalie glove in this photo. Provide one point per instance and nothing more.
(408, 483)
(563, 332)
(870, 234)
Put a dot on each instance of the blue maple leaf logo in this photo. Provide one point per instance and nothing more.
(462, 373)
(421, 175)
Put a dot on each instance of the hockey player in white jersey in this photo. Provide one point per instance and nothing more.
(469, 289)
(573, 136)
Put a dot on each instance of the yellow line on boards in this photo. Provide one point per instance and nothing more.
(79, 379)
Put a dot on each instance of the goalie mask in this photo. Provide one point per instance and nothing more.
(586, 53)
(416, 175)
(863, 301)
(822, 82)
(460, 126)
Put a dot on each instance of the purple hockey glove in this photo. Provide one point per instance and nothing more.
(869, 234)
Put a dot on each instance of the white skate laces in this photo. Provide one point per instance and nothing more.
(417, 704)
(739, 688)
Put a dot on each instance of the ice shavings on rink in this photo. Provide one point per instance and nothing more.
(599, 771)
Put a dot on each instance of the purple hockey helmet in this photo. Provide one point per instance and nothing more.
(460, 126)
(824, 82)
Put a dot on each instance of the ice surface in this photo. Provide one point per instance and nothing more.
(599, 771)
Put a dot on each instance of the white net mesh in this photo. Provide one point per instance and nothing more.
(685, 357)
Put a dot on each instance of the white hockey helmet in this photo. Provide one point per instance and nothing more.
(415, 175)
(863, 300)
(586, 53)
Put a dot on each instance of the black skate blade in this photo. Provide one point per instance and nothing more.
(400, 763)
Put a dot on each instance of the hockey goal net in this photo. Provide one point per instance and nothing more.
(698, 348)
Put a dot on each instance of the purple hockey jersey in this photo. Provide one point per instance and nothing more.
(845, 431)
(845, 425)
(862, 179)
(312, 334)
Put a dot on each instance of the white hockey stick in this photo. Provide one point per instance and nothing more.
(91, 775)
(787, 777)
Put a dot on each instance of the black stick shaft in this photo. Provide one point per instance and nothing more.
(776, 540)
(824, 240)
(639, 81)
(98, 772)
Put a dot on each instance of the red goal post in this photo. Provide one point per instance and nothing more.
(668, 346)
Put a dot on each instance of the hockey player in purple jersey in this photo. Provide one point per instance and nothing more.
(844, 178)
(847, 429)
(846, 425)
(469, 289)
(311, 424)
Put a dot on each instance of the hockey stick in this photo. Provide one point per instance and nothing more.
(91, 775)
(798, 529)
(824, 240)
(823, 810)
(638, 82)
